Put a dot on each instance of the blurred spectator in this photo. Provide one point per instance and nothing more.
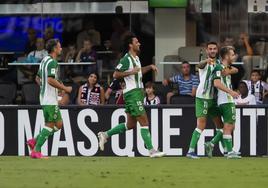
(86, 54)
(71, 54)
(151, 98)
(116, 86)
(30, 45)
(256, 86)
(117, 38)
(40, 52)
(49, 34)
(118, 35)
(91, 93)
(187, 82)
(245, 98)
(89, 32)
(243, 47)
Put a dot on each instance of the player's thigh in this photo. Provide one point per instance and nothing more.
(51, 113)
(143, 120)
(214, 110)
(228, 113)
(134, 103)
(201, 107)
(131, 121)
(218, 122)
(201, 123)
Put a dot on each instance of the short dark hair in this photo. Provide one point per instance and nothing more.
(128, 40)
(149, 85)
(225, 50)
(51, 44)
(185, 62)
(255, 71)
(212, 42)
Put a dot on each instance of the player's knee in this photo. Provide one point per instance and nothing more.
(59, 125)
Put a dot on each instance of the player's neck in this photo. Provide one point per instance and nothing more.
(225, 63)
(132, 53)
(53, 55)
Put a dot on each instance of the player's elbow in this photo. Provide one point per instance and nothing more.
(216, 83)
(116, 75)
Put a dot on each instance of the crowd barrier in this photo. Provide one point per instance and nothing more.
(171, 128)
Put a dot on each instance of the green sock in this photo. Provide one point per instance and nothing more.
(55, 129)
(223, 144)
(146, 136)
(216, 139)
(42, 137)
(195, 137)
(227, 139)
(120, 128)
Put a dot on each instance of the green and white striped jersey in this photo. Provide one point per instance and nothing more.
(48, 68)
(205, 89)
(223, 97)
(126, 64)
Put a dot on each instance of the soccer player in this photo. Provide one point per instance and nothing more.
(130, 69)
(225, 99)
(49, 85)
(206, 104)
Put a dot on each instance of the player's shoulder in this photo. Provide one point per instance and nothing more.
(125, 58)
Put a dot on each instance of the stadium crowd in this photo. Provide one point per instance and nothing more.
(90, 89)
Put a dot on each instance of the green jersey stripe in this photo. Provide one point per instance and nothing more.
(43, 79)
(136, 75)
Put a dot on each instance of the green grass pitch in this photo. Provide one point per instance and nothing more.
(117, 172)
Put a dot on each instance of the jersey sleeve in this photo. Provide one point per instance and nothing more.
(51, 69)
(123, 65)
(217, 72)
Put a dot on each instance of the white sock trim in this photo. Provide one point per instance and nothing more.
(126, 126)
(145, 127)
(49, 129)
(227, 136)
(219, 130)
(198, 130)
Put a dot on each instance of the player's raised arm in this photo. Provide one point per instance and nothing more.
(146, 69)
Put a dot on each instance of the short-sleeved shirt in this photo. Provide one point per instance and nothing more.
(126, 64)
(205, 89)
(185, 86)
(48, 68)
(257, 89)
(154, 101)
(223, 97)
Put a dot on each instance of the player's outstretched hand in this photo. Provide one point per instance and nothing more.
(68, 89)
(234, 94)
(210, 61)
(154, 68)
